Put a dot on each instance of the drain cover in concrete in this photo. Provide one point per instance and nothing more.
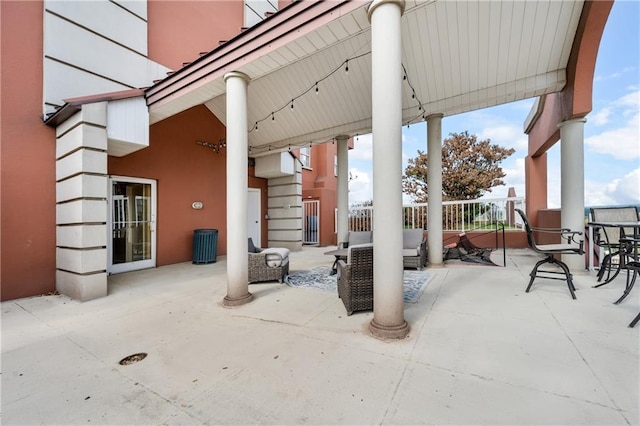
(132, 359)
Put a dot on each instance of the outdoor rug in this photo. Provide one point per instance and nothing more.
(318, 278)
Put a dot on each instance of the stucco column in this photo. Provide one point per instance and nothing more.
(237, 184)
(434, 190)
(572, 183)
(343, 187)
(535, 169)
(386, 96)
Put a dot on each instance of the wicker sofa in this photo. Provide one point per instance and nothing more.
(268, 264)
(355, 279)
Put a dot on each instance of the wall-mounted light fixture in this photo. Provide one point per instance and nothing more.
(215, 146)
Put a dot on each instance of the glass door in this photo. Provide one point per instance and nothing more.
(132, 216)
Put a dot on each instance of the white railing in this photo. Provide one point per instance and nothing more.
(456, 215)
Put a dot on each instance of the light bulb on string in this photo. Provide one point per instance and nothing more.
(291, 103)
(346, 68)
(273, 117)
(256, 126)
(316, 87)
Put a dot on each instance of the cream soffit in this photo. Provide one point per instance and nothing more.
(459, 57)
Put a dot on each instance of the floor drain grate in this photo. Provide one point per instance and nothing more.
(132, 359)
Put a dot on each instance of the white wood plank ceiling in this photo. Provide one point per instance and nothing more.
(459, 56)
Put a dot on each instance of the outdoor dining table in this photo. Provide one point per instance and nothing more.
(340, 254)
(629, 257)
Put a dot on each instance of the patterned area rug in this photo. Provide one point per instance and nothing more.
(318, 278)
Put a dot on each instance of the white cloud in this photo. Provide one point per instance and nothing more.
(624, 139)
(515, 177)
(360, 188)
(362, 148)
(618, 192)
(621, 143)
(631, 100)
(506, 135)
(625, 190)
(597, 194)
(601, 117)
(614, 75)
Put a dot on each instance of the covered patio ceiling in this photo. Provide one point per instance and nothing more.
(458, 57)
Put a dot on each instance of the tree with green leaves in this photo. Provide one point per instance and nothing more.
(470, 168)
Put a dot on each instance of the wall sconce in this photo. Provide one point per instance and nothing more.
(215, 146)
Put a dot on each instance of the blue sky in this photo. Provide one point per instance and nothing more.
(612, 131)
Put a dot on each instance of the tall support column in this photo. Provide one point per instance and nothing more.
(535, 169)
(81, 209)
(572, 182)
(343, 187)
(237, 184)
(434, 190)
(386, 72)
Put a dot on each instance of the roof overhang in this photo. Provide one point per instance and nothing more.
(458, 56)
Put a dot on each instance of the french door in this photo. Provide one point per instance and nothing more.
(132, 220)
(253, 216)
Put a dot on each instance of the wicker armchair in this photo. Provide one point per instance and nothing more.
(414, 248)
(267, 264)
(355, 279)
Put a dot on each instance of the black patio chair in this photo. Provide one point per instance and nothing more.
(550, 251)
(609, 238)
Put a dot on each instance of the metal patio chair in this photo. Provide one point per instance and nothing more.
(609, 238)
(550, 251)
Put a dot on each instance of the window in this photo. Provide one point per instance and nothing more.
(305, 157)
(335, 165)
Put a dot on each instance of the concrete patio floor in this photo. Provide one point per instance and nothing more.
(480, 351)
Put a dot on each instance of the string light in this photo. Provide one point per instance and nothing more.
(315, 87)
(421, 113)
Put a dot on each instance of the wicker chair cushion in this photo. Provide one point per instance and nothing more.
(410, 252)
(360, 237)
(276, 256)
(411, 239)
